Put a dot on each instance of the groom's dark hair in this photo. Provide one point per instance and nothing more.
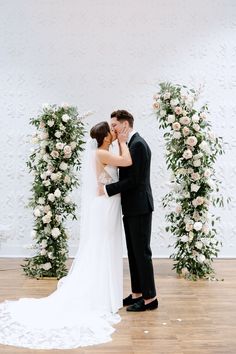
(122, 115)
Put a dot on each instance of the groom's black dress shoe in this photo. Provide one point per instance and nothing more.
(130, 301)
(140, 306)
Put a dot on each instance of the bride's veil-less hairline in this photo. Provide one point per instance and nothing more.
(88, 191)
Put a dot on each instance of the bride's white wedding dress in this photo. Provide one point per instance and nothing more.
(83, 309)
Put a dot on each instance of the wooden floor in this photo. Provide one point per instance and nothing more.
(193, 317)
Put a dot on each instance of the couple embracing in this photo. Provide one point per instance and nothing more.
(84, 306)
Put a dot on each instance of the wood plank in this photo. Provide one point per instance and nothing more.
(193, 317)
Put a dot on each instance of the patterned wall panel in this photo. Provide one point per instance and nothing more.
(103, 55)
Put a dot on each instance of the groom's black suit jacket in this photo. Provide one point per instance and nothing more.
(134, 181)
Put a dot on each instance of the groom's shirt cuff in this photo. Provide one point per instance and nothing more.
(105, 191)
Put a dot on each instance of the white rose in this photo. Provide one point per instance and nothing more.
(41, 200)
(50, 255)
(162, 113)
(46, 157)
(37, 212)
(178, 110)
(185, 131)
(200, 200)
(51, 197)
(55, 232)
(195, 176)
(58, 134)
(174, 102)
(67, 199)
(191, 141)
(188, 227)
(59, 146)
(196, 127)
(34, 140)
(57, 193)
(206, 241)
(58, 218)
(166, 95)
(178, 209)
(207, 173)
(196, 216)
(204, 146)
(44, 136)
(63, 166)
(199, 245)
(54, 176)
(195, 118)
(46, 183)
(170, 118)
(50, 123)
(194, 187)
(211, 183)
(46, 266)
(46, 218)
(187, 154)
(201, 258)
(67, 150)
(43, 144)
(176, 135)
(184, 238)
(43, 252)
(205, 229)
(176, 126)
(43, 175)
(62, 127)
(67, 179)
(185, 120)
(55, 154)
(73, 145)
(156, 106)
(33, 234)
(41, 125)
(211, 135)
(44, 243)
(197, 226)
(197, 163)
(197, 156)
(67, 156)
(47, 208)
(65, 118)
(203, 115)
(50, 168)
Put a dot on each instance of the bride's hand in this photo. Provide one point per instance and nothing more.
(123, 135)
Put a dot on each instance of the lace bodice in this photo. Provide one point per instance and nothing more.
(108, 175)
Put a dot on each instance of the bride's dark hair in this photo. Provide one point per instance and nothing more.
(99, 132)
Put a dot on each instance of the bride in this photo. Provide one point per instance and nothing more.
(84, 307)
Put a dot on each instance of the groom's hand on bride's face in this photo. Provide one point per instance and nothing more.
(101, 189)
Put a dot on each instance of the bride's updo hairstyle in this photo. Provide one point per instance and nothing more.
(99, 132)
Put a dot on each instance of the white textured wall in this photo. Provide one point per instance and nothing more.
(103, 55)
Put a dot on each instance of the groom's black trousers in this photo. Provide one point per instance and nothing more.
(138, 237)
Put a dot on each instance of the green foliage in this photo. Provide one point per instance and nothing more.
(191, 151)
(54, 161)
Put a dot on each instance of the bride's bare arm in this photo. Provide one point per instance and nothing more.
(108, 158)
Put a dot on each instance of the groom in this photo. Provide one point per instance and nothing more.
(137, 208)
